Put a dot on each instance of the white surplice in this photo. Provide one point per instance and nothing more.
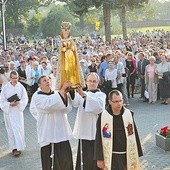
(85, 125)
(51, 115)
(13, 116)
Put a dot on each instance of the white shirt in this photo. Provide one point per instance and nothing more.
(120, 70)
(85, 124)
(111, 75)
(51, 116)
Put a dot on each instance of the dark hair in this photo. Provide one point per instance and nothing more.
(13, 73)
(30, 59)
(108, 55)
(116, 92)
(142, 54)
(155, 54)
(103, 58)
(41, 78)
(44, 63)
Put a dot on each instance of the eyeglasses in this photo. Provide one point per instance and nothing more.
(118, 101)
(92, 81)
(14, 77)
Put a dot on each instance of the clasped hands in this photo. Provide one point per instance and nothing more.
(14, 103)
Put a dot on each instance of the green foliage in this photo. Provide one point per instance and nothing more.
(51, 25)
(168, 135)
(115, 26)
(17, 10)
(34, 23)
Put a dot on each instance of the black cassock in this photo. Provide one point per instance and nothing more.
(119, 142)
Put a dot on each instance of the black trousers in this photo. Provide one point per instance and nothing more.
(119, 162)
(62, 156)
(88, 156)
(142, 87)
(119, 87)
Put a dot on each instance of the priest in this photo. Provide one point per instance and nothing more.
(117, 144)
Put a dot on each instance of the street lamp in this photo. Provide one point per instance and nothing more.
(3, 22)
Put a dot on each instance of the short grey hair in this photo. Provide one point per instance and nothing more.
(152, 58)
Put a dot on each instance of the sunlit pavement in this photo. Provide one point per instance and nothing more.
(149, 118)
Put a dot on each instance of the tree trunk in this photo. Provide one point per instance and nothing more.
(107, 18)
(123, 17)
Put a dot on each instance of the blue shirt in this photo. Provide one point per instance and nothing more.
(102, 69)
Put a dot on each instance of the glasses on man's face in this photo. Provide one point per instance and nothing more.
(116, 101)
(92, 81)
(14, 77)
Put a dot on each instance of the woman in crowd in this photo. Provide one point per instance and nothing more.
(35, 75)
(22, 73)
(4, 75)
(164, 86)
(110, 75)
(151, 80)
(131, 67)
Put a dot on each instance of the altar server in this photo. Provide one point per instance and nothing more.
(90, 103)
(13, 112)
(54, 132)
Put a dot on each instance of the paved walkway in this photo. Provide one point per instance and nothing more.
(149, 118)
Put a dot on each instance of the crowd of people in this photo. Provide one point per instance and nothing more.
(112, 73)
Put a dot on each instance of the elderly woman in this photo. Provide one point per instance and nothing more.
(151, 80)
(164, 87)
(35, 75)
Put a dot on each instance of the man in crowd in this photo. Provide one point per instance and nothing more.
(50, 110)
(13, 112)
(103, 66)
(117, 145)
(143, 62)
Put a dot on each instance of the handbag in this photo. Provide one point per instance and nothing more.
(146, 94)
(30, 82)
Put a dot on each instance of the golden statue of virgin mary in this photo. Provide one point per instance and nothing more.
(68, 68)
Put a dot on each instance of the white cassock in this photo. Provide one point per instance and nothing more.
(51, 115)
(13, 116)
(85, 125)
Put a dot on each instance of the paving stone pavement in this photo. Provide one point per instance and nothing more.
(149, 118)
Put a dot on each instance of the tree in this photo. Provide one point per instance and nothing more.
(51, 25)
(107, 6)
(122, 5)
(17, 10)
(107, 21)
(79, 8)
(34, 23)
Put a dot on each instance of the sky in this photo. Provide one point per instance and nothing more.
(164, 1)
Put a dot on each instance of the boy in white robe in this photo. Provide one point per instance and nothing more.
(13, 113)
(50, 109)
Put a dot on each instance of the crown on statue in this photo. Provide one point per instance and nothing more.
(65, 25)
